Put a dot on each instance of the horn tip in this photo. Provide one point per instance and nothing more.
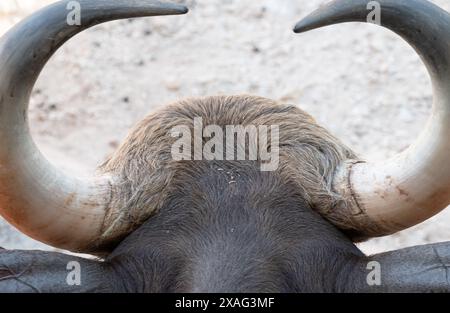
(176, 8)
(165, 8)
(183, 9)
(307, 24)
(301, 27)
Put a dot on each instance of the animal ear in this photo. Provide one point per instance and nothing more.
(41, 201)
(416, 269)
(386, 197)
(39, 271)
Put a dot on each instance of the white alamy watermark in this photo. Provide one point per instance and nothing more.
(374, 15)
(237, 142)
(374, 276)
(73, 278)
(74, 15)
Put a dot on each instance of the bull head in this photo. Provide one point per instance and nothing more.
(83, 215)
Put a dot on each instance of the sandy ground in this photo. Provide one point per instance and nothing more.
(360, 81)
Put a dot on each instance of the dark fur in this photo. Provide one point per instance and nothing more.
(255, 235)
(145, 172)
(225, 225)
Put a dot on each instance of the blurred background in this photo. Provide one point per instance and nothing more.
(362, 82)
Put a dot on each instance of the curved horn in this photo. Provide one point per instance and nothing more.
(41, 201)
(413, 186)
